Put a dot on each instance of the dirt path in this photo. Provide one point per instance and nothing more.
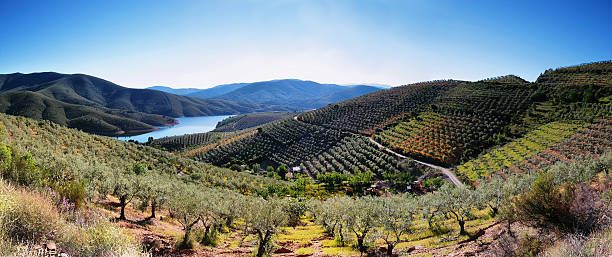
(445, 171)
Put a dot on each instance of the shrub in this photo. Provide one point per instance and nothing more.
(28, 218)
(74, 191)
(564, 209)
(529, 246)
(598, 244)
(99, 239)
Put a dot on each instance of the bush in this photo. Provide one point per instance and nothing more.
(28, 219)
(563, 209)
(529, 246)
(99, 239)
(27, 216)
(598, 244)
(74, 191)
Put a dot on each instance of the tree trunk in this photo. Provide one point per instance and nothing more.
(122, 202)
(360, 244)
(495, 210)
(430, 220)
(186, 237)
(263, 241)
(509, 229)
(390, 249)
(187, 228)
(462, 226)
(341, 236)
(228, 222)
(206, 235)
(153, 205)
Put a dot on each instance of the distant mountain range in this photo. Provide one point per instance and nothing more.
(178, 91)
(102, 107)
(296, 93)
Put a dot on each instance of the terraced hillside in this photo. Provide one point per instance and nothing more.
(366, 113)
(460, 123)
(597, 73)
(588, 143)
(446, 123)
(520, 148)
(250, 120)
(517, 150)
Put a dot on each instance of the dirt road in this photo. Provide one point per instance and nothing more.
(445, 171)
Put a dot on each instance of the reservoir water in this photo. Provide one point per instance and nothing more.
(187, 125)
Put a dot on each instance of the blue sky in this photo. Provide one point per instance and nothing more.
(206, 43)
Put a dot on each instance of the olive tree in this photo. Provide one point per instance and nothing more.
(211, 214)
(395, 218)
(185, 205)
(330, 214)
(430, 207)
(361, 219)
(125, 184)
(154, 191)
(497, 192)
(232, 206)
(458, 203)
(263, 218)
(492, 194)
(296, 208)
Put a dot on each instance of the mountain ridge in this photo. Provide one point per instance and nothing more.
(62, 91)
(303, 94)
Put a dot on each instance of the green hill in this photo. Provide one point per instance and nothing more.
(249, 120)
(56, 97)
(89, 119)
(527, 148)
(597, 73)
(508, 79)
(441, 122)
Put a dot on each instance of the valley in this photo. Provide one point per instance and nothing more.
(305, 128)
(186, 125)
(433, 168)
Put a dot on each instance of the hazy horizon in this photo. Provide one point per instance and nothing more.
(190, 44)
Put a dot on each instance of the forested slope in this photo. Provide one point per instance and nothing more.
(441, 122)
(102, 107)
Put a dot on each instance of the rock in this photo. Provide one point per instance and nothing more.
(187, 252)
(283, 250)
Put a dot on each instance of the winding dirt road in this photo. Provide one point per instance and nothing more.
(445, 171)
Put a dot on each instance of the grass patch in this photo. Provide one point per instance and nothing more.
(340, 251)
(305, 251)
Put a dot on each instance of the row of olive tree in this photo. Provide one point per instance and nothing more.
(389, 218)
(213, 208)
(367, 218)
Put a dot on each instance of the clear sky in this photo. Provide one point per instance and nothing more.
(205, 43)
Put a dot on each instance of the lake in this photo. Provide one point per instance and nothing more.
(187, 125)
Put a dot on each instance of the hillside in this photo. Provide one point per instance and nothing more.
(216, 90)
(597, 73)
(89, 119)
(507, 79)
(100, 96)
(285, 92)
(249, 120)
(445, 123)
(177, 91)
(521, 150)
